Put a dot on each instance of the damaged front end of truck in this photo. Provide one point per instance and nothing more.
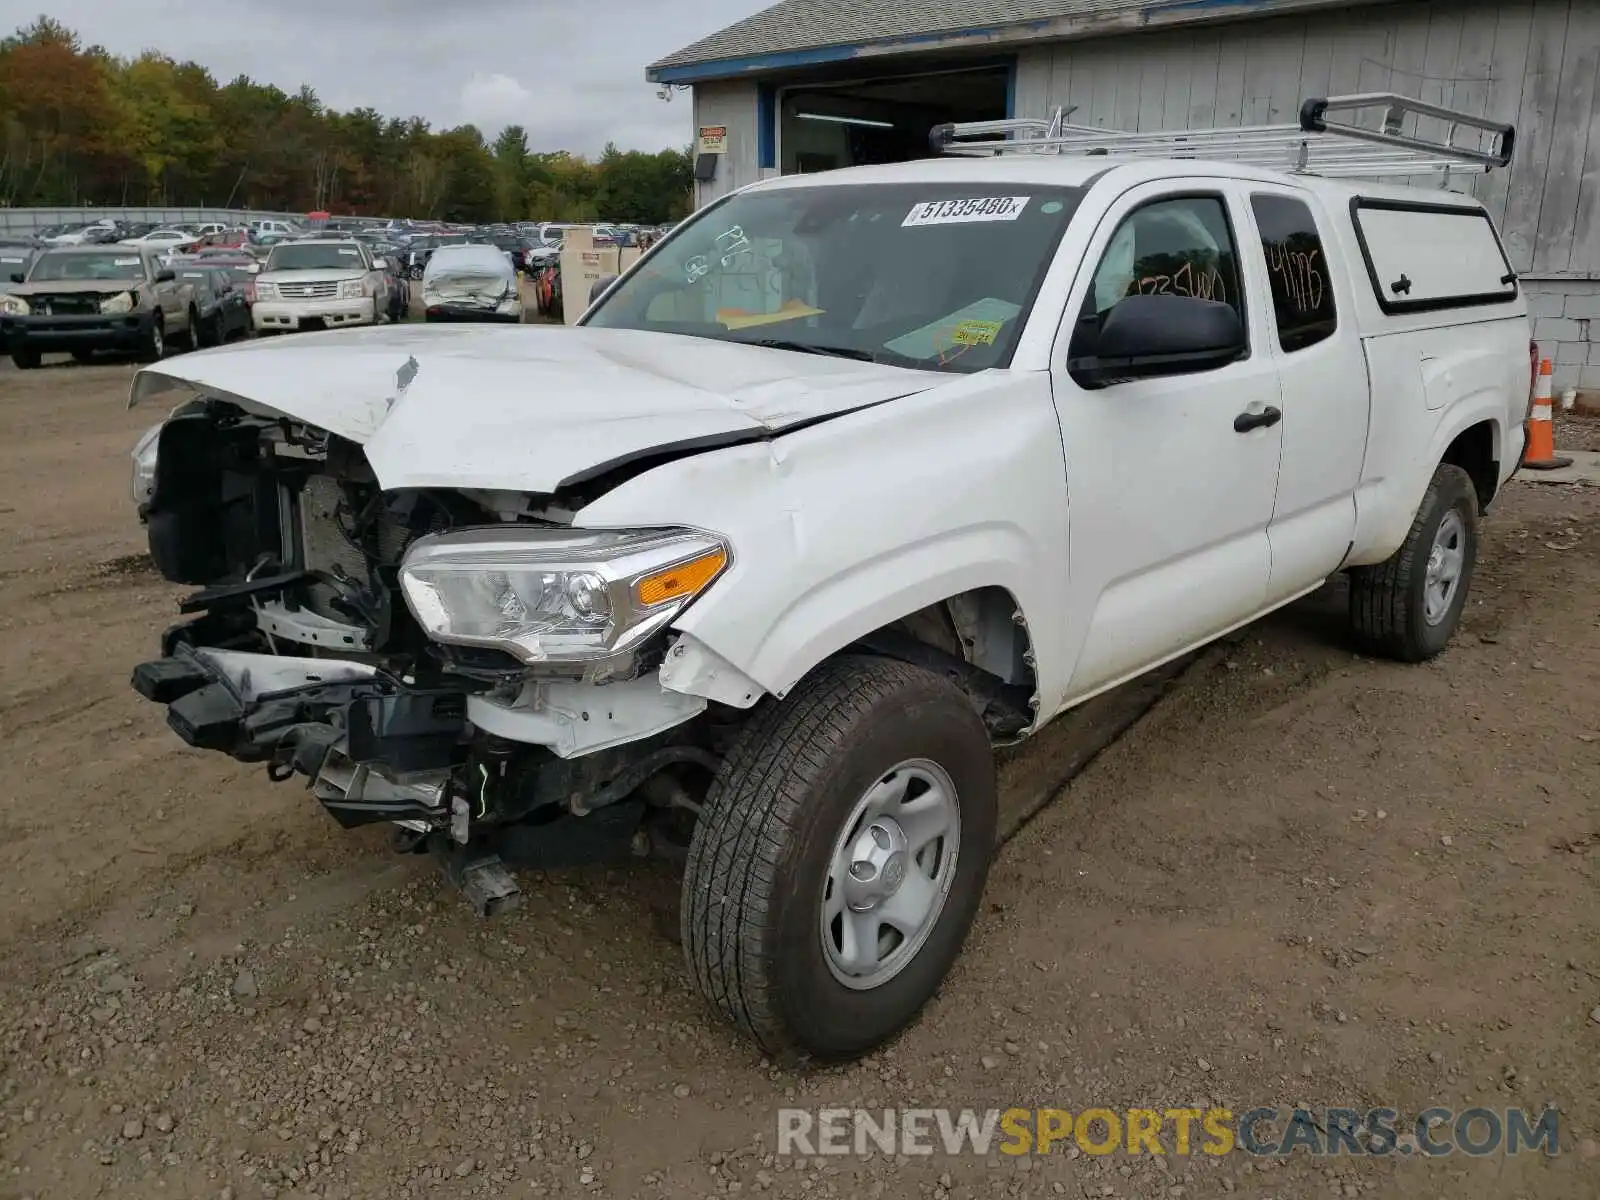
(461, 661)
(371, 643)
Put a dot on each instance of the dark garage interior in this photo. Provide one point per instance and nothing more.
(823, 126)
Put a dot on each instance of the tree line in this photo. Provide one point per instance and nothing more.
(79, 125)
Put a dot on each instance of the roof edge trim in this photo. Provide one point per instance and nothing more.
(1151, 15)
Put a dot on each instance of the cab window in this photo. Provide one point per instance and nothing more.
(1302, 294)
(1181, 246)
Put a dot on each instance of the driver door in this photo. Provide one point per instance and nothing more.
(1170, 480)
(167, 292)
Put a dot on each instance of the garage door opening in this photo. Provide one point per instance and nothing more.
(822, 127)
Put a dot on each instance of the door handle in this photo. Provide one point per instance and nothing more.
(1264, 419)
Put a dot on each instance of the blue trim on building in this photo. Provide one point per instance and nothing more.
(766, 125)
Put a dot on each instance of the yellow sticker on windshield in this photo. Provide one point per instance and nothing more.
(740, 318)
(976, 333)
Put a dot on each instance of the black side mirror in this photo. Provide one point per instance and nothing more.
(16, 277)
(1143, 337)
(166, 276)
(599, 286)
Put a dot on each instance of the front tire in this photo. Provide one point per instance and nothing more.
(1407, 607)
(155, 342)
(25, 360)
(837, 865)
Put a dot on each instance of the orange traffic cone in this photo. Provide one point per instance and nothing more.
(1541, 431)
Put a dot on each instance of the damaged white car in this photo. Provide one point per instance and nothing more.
(851, 478)
(471, 283)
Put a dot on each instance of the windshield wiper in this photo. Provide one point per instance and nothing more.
(811, 348)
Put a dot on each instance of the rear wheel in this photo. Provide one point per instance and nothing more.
(25, 360)
(838, 862)
(1407, 607)
(191, 331)
(83, 356)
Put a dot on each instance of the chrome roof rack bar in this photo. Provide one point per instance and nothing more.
(1331, 139)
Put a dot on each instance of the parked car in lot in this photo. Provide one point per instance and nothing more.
(320, 283)
(858, 477)
(76, 234)
(170, 240)
(221, 297)
(14, 259)
(471, 283)
(420, 249)
(398, 278)
(275, 228)
(81, 299)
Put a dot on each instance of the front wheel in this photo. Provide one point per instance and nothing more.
(1408, 606)
(839, 859)
(25, 360)
(155, 342)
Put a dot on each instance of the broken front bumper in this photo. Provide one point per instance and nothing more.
(375, 748)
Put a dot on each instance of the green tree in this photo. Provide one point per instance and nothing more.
(79, 125)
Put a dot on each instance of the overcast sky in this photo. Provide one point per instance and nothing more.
(571, 73)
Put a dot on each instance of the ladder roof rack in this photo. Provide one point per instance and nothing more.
(1336, 137)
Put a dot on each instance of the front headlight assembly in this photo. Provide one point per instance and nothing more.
(574, 598)
(353, 289)
(13, 306)
(122, 302)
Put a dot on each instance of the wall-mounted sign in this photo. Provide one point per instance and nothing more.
(713, 139)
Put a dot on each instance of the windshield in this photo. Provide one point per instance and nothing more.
(331, 256)
(933, 276)
(65, 265)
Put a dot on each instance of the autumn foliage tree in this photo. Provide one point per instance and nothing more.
(80, 126)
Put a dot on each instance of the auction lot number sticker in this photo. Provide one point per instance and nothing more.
(962, 212)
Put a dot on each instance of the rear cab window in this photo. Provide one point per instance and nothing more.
(1302, 290)
(1422, 257)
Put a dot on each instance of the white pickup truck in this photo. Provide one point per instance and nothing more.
(851, 478)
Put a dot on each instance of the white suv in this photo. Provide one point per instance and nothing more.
(851, 478)
(320, 283)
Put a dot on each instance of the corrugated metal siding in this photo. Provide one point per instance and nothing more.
(1535, 64)
(732, 105)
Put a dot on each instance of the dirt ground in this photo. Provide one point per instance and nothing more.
(1303, 877)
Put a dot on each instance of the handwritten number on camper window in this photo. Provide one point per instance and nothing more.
(1302, 293)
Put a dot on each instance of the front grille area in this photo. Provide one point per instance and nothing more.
(72, 304)
(308, 291)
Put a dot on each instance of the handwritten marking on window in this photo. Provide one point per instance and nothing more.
(731, 244)
(1204, 283)
(1297, 276)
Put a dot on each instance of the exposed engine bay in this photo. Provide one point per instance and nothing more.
(302, 653)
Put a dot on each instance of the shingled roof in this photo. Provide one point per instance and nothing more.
(795, 27)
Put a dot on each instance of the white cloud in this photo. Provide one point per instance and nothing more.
(494, 101)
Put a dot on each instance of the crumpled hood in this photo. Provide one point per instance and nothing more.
(524, 407)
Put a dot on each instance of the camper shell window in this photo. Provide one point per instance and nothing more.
(1425, 257)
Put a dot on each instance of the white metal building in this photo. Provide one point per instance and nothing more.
(814, 84)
